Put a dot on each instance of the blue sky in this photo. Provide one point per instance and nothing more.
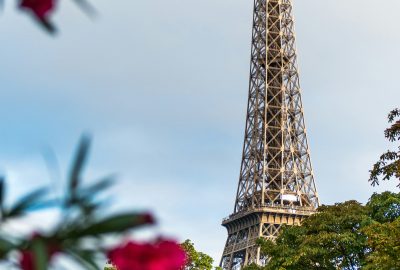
(162, 86)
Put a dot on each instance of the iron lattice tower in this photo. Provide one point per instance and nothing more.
(276, 182)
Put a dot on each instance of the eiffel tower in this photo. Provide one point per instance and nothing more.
(276, 182)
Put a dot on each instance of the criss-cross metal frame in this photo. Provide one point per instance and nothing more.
(276, 182)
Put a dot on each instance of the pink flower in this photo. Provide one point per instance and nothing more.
(40, 8)
(162, 255)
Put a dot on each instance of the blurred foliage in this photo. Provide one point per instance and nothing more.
(388, 165)
(42, 11)
(83, 219)
(342, 236)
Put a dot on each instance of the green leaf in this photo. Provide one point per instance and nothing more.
(114, 224)
(26, 203)
(2, 190)
(85, 257)
(46, 25)
(5, 247)
(40, 254)
(86, 7)
(77, 167)
(98, 186)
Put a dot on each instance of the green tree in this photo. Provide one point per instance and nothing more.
(384, 233)
(388, 165)
(330, 239)
(343, 236)
(384, 207)
(196, 260)
(253, 266)
(384, 241)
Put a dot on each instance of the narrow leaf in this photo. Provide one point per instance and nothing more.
(5, 246)
(116, 224)
(78, 164)
(40, 254)
(47, 25)
(86, 257)
(2, 187)
(99, 186)
(27, 202)
(86, 7)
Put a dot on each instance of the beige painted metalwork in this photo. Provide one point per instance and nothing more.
(276, 182)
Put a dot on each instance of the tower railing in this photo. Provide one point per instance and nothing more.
(299, 210)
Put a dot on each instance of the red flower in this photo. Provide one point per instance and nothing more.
(162, 255)
(41, 8)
